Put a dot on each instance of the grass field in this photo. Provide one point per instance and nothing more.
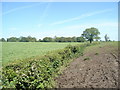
(20, 50)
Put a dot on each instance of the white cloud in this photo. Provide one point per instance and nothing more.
(45, 11)
(80, 17)
(20, 8)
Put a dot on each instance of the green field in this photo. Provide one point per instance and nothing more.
(21, 50)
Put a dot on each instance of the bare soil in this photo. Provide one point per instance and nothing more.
(97, 68)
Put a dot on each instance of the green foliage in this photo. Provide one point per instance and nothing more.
(91, 33)
(2, 40)
(47, 39)
(13, 39)
(27, 39)
(80, 39)
(21, 39)
(39, 73)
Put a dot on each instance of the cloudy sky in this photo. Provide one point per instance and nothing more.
(41, 19)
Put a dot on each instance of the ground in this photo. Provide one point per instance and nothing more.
(97, 68)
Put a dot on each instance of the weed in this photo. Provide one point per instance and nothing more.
(86, 58)
(96, 53)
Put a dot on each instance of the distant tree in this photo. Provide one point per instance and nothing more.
(27, 39)
(47, 39)
(90, 34)
(34, 39)
(23, 39)
(2, 40)
(106, 38)
(13, 39)
(69, 39)
(63, 39)
(81, 39)
(74, 39)
(57, 39)
(39, 40)
(60, 39)
(31, 39)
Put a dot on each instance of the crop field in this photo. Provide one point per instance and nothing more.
(21, 50)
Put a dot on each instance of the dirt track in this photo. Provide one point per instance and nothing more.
(100, 70)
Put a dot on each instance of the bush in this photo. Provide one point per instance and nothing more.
(39, 73)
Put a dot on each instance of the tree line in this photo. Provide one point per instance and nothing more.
(90, 34)
(45, 39)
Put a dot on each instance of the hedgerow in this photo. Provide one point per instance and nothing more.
(39, 73)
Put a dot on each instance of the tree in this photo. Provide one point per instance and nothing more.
(90, 34)
(58, 39)
(106, 38)
(27, 39)
(47, 39)
(61, 39)
(97, 38)
(13, 39)
(81, 39)
(2, 40)
(39, 40)
(74, 39)
(23, 39)
(31, 39)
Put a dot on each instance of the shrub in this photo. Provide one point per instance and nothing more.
(39, 73)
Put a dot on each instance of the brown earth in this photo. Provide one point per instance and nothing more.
(97, 68)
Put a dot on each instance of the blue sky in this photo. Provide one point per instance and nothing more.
(41, 19)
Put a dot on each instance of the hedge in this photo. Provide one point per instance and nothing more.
(39, 73)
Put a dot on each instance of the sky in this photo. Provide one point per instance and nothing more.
(49, 19)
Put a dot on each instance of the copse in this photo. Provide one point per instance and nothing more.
(47, 39)
(91, 33)
(2, 40)
(69, 39)
(21, 39)
(80, 39)
(31, 39)
(13, 39)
